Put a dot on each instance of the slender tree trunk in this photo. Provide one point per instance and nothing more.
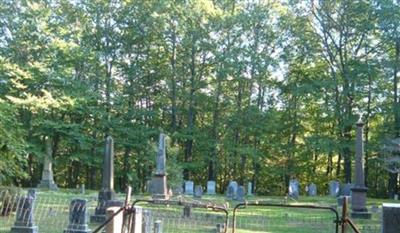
(191, 113)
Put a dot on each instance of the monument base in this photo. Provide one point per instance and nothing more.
(75, 229)
(48, 184)
(159, 187)
(104, 197)
(360, 215)
(21, 229)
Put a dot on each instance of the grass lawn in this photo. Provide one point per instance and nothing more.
(51, 215)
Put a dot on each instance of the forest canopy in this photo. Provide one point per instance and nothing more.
(252, 90)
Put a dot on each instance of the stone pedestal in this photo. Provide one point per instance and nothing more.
(24, 219)
(359, 191)
(159, 186)
(100, 212)
(358, 203)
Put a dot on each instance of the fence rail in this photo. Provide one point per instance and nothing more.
(51, 214)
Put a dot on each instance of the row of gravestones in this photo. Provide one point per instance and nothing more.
(335, 189)
(234, 191)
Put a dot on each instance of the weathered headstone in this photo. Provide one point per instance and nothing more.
(312, 190)
(47, 181)
(187, 212)
(189, 187)
(83, 189)
(232, 190)
(294, 189)
(211, 187)
(24, 222)
(32, 193)
(178, 190)
(241, 193)
(158, 226)
(249, 189)
(334, 188)
(390, 218)
(147, 221)
(159, 181)
(78, 217)
(359, 191)
(107, 189)
(198, 191)
(346, 189)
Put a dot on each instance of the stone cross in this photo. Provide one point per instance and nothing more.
(359, 191)
(47, 181)
(78, 217)
(24, 219)
(107, 189)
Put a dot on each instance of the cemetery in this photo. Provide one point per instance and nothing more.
(199, 116)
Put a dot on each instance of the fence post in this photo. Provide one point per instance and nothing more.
(115, 225)
(344, 214)
(158, 226)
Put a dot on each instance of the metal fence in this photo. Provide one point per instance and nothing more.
(51, 214)
(279, 218)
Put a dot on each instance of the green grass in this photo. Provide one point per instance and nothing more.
(51, 215)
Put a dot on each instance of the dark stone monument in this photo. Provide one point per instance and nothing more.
(198, 191)
(78, 217)
(189, 187)
(294, 189)
(187, 212)
(312, 190)
(390, 218)
(211, 187)
(159, 181)
(24, 222)
(359, 191)
(334, 188)
(241, 193)
(47, 181)
(107, 189)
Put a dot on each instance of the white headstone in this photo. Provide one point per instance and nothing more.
(189, 187)
(211, 187)
(249, 188)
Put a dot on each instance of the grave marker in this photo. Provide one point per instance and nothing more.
(189, 187)
(334, 188)
(159, 181)
(241, 192)
(78, 217)
(312, 190)
(24, 222)
(198, 192)
(211, 187)
(232, 190)
(294, 189)
(390, 218)
(107, 189)
(47, 181)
